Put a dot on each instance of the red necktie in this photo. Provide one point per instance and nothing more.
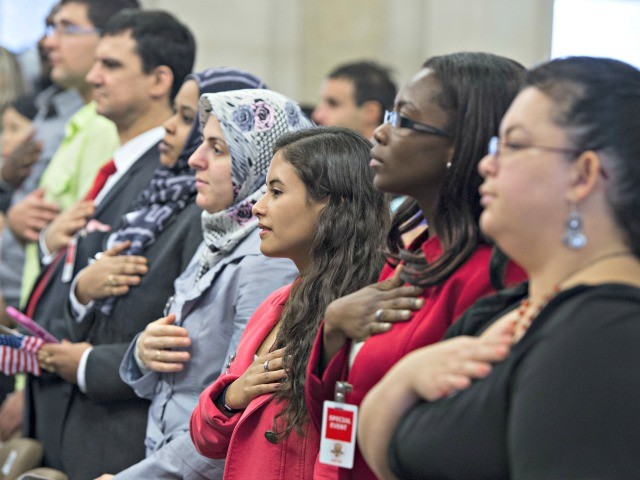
(104, 173)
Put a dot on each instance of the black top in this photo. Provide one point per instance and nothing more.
(565, 404)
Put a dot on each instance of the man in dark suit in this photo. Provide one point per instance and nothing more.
(87, 419)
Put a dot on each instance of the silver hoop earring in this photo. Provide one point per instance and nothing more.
(574, 238)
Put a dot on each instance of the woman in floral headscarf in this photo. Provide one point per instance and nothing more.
(178, 355)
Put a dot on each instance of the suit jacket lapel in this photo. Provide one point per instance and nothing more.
(138, 166)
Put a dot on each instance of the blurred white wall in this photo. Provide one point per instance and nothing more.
(292, 44)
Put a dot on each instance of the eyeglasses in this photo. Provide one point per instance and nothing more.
(394, 119)
(66, 30)
(496, 146)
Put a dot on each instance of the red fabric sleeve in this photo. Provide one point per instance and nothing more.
(319, 388)
(210, 428)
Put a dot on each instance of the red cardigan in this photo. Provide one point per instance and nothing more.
(241, 438)
(443, 304)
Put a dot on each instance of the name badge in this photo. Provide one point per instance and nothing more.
(338, 439)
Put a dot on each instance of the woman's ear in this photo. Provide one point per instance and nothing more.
(587, 171)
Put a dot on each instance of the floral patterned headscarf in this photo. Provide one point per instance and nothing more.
(172, 189)
(252, 121)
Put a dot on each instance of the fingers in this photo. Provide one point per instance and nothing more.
(501, 330)
(130, 265)
(270, 367)
(45, 359)
(393, 282)
(397, 309)
(40, 217)
(39, 204)
(165, 360)
(157, 344)
(118, 248)
(122, 280)
(270, 356)
(375, 328)
(31, 235)
(159, 336)
(396, 279)
(113, 291)
(82, 210)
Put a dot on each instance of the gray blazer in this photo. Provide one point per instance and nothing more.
(215, 310)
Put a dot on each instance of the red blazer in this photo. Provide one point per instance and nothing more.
(241, 438)
(443, 304)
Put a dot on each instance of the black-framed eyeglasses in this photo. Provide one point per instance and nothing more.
(66, 30)
(496, 146)
(394, 119)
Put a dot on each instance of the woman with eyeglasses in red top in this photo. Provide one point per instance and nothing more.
(428, 149)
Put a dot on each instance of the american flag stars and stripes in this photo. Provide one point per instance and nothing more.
(19, 354)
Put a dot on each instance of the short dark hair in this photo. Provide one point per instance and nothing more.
(161, 40)
(100, 11)
(371, 82)
(597, 102)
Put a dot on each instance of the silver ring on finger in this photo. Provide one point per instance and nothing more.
(266, 366)
(157, 356)
(378, 314)
(111, 280)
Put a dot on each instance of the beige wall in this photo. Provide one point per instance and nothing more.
(293, 43)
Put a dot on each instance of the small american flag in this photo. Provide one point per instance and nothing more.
(19, 353)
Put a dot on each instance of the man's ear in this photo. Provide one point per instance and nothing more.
(161, 82)
(371, 112)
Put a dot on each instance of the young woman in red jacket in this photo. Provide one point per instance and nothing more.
(322, 211)
(428, 149)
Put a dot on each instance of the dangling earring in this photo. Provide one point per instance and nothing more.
(448, 164)
(574, 238)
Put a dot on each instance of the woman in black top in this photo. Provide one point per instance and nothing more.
(549, 369)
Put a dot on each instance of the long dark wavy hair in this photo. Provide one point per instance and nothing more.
(476, 90)
(346, 250)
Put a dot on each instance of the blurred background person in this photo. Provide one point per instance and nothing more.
(12, 83)
(355, 95)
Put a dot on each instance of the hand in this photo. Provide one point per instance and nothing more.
(106, 476)
(11, 414)
(155, 345)
(370, 310)
(64, 226)
(438, 370)
(111, 275)
(257, 380)
(62, 358)
(17, 164)
(429, 373)
(27, 217)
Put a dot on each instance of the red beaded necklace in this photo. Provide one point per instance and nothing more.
(524, 321)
